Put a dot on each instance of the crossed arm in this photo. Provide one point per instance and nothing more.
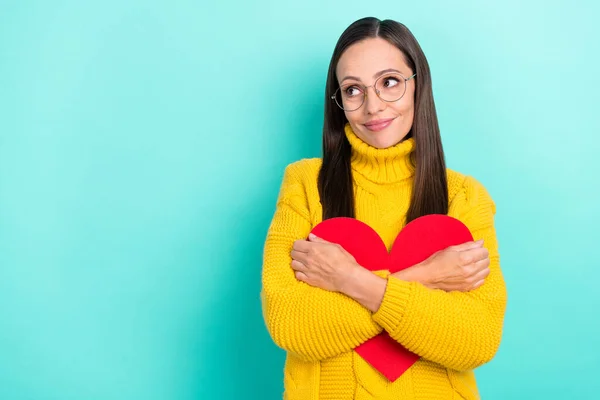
(460, 330)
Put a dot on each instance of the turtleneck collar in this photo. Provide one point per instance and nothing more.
(388, 165)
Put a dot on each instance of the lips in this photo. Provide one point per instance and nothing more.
(379, 124)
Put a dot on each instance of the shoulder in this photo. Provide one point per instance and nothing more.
(303, 172)
(299, 189)
(467, 195)
(299, 177)
(304, 168)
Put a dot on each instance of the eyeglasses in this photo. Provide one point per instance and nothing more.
(389, 88)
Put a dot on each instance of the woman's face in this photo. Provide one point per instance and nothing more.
(378, 123)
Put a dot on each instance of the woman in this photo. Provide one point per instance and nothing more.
(382, 164)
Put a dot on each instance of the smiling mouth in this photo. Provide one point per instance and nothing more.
(379, 124)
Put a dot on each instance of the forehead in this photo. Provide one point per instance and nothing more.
(367, 57)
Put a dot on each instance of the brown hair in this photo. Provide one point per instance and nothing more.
(430, 189)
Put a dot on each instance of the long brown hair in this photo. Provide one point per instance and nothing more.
(430, 189)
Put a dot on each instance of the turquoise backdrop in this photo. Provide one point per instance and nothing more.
(142, 145)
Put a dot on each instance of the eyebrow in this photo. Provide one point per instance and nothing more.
(377, 75)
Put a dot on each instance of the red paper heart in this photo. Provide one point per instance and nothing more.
(418, 240)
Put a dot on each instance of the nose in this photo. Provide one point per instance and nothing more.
(373, 103)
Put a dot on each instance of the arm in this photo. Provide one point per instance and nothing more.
(308, 321)
(460, 330)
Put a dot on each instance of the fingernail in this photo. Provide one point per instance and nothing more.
(311, 236)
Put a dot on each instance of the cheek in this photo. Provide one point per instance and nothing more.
(405, 106)
(353, 118)
(405, 110)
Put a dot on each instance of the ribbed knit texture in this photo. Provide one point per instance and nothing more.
(452, 332)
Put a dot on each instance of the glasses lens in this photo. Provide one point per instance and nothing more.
(349, 98)
(391, 87)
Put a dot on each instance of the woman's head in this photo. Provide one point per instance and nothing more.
(375, 91)
(366, 49)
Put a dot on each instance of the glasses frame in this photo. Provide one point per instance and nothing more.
(377, 92)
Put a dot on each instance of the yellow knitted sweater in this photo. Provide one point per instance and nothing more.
(453, 332)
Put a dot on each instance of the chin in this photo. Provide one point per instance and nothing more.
(384, 144)
(380, 140)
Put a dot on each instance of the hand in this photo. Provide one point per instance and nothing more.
(461, 268)
(322, 264)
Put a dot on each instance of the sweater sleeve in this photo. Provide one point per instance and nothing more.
(310, 322)
(459, 330)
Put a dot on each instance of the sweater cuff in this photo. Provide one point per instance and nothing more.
(393, 305)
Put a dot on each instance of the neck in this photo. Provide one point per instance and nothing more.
(389, 165)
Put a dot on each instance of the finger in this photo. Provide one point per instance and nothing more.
(466, 246)
(299, 266)
(472, 256)
(471, 245)
(301, 245)
(314, 238)
(478, 279)
(480, 266)
(299, 256)
(461, 286)
(478, 284)
(301, 276)
(450, 286)
(477, 254)
(482, 274)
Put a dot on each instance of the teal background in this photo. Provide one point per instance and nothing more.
(142, 145)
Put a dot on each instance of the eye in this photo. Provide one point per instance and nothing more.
(390, 81)
(352, 91)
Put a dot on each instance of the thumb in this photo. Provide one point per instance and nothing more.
(314, 238)
(467, 246)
